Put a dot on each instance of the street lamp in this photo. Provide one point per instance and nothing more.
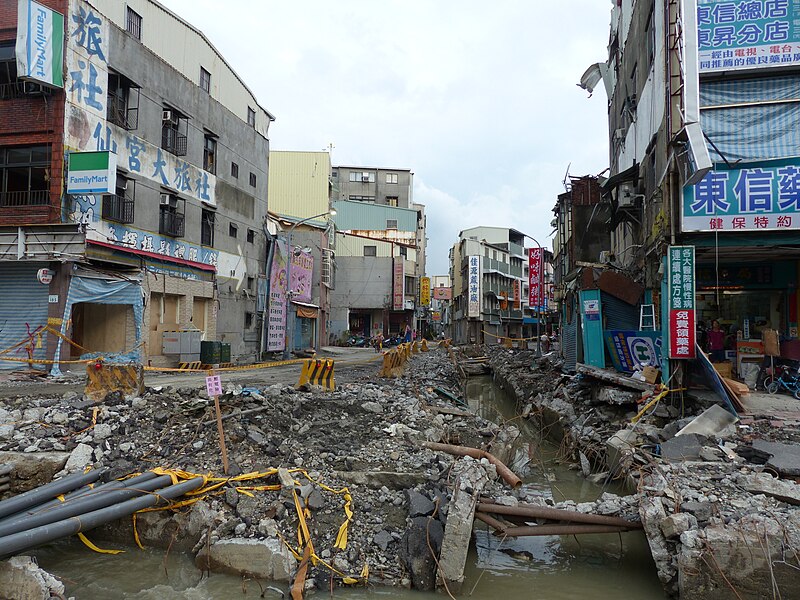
(541, 294)
(287, 353)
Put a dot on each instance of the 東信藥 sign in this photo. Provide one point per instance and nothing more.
(681, 274)
(760, 196)
(398, 284)
(40, 44)
(474, 286)
(425, 291)
(92, 173)
(747, 34)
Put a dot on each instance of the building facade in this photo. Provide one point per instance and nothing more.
(176, 238)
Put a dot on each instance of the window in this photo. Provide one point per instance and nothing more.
(233, 230)
(25, 176)
(119, 206)
(251, 236)
(251, 117)
(253, 179)
(205, 80)
(250, 283)
(370, 251)
(391, 178)
(403, 251)
(210, 153)
(362, 177)
(10, 86)
(362, 198)
(171, 215)
(391, 200)
(248, 320)
(234, 170)
(133, 23)
(174, 126)
(411, 286)
(391, 223)
(334, 174)
(207, 228)
(123, 101)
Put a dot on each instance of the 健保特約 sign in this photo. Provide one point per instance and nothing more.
(92, 173)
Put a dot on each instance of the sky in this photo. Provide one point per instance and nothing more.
(478, 99)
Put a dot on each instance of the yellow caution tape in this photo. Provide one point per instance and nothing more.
(91, 546)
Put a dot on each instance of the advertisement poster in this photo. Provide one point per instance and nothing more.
(442, 293)
(301, 273)
(629, 349)
(680, 261)
(534, 278)
(425, 291)
(276, 326)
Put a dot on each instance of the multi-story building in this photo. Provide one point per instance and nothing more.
(299, 192)
(489, 271)
(378, 266)
(134, 182)
(441, 299)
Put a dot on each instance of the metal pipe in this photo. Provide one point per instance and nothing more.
(83, 505)
(102, 488)
(6, 469)
(491, 522)
(555, 514)
(48, 491)
(561, 530)
(25, 540)
(507, 474)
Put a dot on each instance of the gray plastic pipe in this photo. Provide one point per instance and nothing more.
(84, 504)
(86, 490)
(48, 491)
(26, 540)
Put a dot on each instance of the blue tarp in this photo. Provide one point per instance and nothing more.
(102, 291)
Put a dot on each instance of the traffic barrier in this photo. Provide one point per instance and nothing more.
(424, 346)
(318, 372)
(190, 366)
(415, 347)
(103, 378)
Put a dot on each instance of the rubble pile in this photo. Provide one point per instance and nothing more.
(719, 506)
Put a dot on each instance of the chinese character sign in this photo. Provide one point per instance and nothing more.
(276, 327)
(442, 293)
(214, 385)
(40, 44)
(747, 34)
(302, 270)
(517, 294)
(762, 196)
(534, 277)
(474, 286)
(398, 284)
(680, 261)
(425, 291)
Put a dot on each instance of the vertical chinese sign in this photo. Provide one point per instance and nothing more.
(398, 288)
(474, 286)
(680, 261)
(517, 295)
(276, 328)
(534, 278)
(425, 291)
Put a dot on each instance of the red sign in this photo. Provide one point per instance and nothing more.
(534, 277)
(681, 333)
(517, 295)
(442, 293)
(399, 284)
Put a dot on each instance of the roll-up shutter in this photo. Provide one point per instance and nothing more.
(619, 315)
(23, 307)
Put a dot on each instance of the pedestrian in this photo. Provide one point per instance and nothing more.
(379, 342)
(716, 342)
(407, 334)
(414, 336)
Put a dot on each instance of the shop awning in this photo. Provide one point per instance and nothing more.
(306, 310)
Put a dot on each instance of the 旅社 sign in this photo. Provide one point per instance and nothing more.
(92, 173)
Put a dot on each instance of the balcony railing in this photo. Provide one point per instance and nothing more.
(171, 224)
(18, 89)
(173, 142)
(25, 198)
(120, 114)
(118, 208)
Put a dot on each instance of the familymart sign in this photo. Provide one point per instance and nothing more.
(40, 44)
(92, 173)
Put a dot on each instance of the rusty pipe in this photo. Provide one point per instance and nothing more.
(507, 474)
(554, 514)
(561, 530)
(499, 526)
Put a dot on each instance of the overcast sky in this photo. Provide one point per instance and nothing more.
(478, 99)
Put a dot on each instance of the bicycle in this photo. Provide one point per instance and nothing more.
(788, 380)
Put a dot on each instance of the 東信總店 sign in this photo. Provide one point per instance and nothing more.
(681, 274)
(92, 173)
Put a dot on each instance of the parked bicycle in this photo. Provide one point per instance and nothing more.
(770, 370)
(788, 380)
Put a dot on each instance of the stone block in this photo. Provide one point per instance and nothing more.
(22, 579)
(33, 469)
(674, 525)
(264, 559)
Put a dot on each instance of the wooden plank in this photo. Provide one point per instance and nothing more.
(615, 378)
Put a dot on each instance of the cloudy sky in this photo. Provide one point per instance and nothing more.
(478, 99)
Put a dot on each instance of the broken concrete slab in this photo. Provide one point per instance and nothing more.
(22, 579)
(419, 505)
(784, 458)
(264, 559)
(33, 469)
(715, 421)
(378, 479)
(674, 525)
(764, 483)
(616, 396)
(613, 377)
(685, 447)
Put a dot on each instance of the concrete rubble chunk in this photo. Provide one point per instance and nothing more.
(419, 505)
(264, 559)
(617, 396)
(79, 458)
(784, 458)
(684, 447)
(22, 579)
(674, 525)
(764, 483)
(714, 421)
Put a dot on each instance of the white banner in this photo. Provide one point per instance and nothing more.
(40, 43)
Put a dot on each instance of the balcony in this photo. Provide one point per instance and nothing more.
(25, 198)
(120, 114)
(118, 208)
(173, 142)
(171, 223)
(18, 89)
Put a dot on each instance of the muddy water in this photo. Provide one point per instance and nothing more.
(597, 567)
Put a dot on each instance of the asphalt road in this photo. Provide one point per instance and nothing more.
(350, 364)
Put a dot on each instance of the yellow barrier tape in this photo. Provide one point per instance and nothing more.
(91, 546)
(41, 361)
(505, 337)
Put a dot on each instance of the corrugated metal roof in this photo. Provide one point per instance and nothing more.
(298, 183)
(363, 215)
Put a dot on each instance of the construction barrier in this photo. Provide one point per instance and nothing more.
(103, 378)
(415, 347)
(424, 346)
(318, 372)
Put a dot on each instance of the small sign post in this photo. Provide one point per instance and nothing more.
(214, 389)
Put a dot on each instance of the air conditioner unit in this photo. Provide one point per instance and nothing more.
(166, 115)
(165, 200)
(365, 178)
(625, 195)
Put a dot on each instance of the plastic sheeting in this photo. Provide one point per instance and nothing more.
(756, 131)
(102, 291)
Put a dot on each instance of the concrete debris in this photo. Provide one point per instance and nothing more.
(764, 483)
(22, 579)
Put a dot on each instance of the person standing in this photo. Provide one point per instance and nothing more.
(407, 334)
(716, 342)
(379, 342)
